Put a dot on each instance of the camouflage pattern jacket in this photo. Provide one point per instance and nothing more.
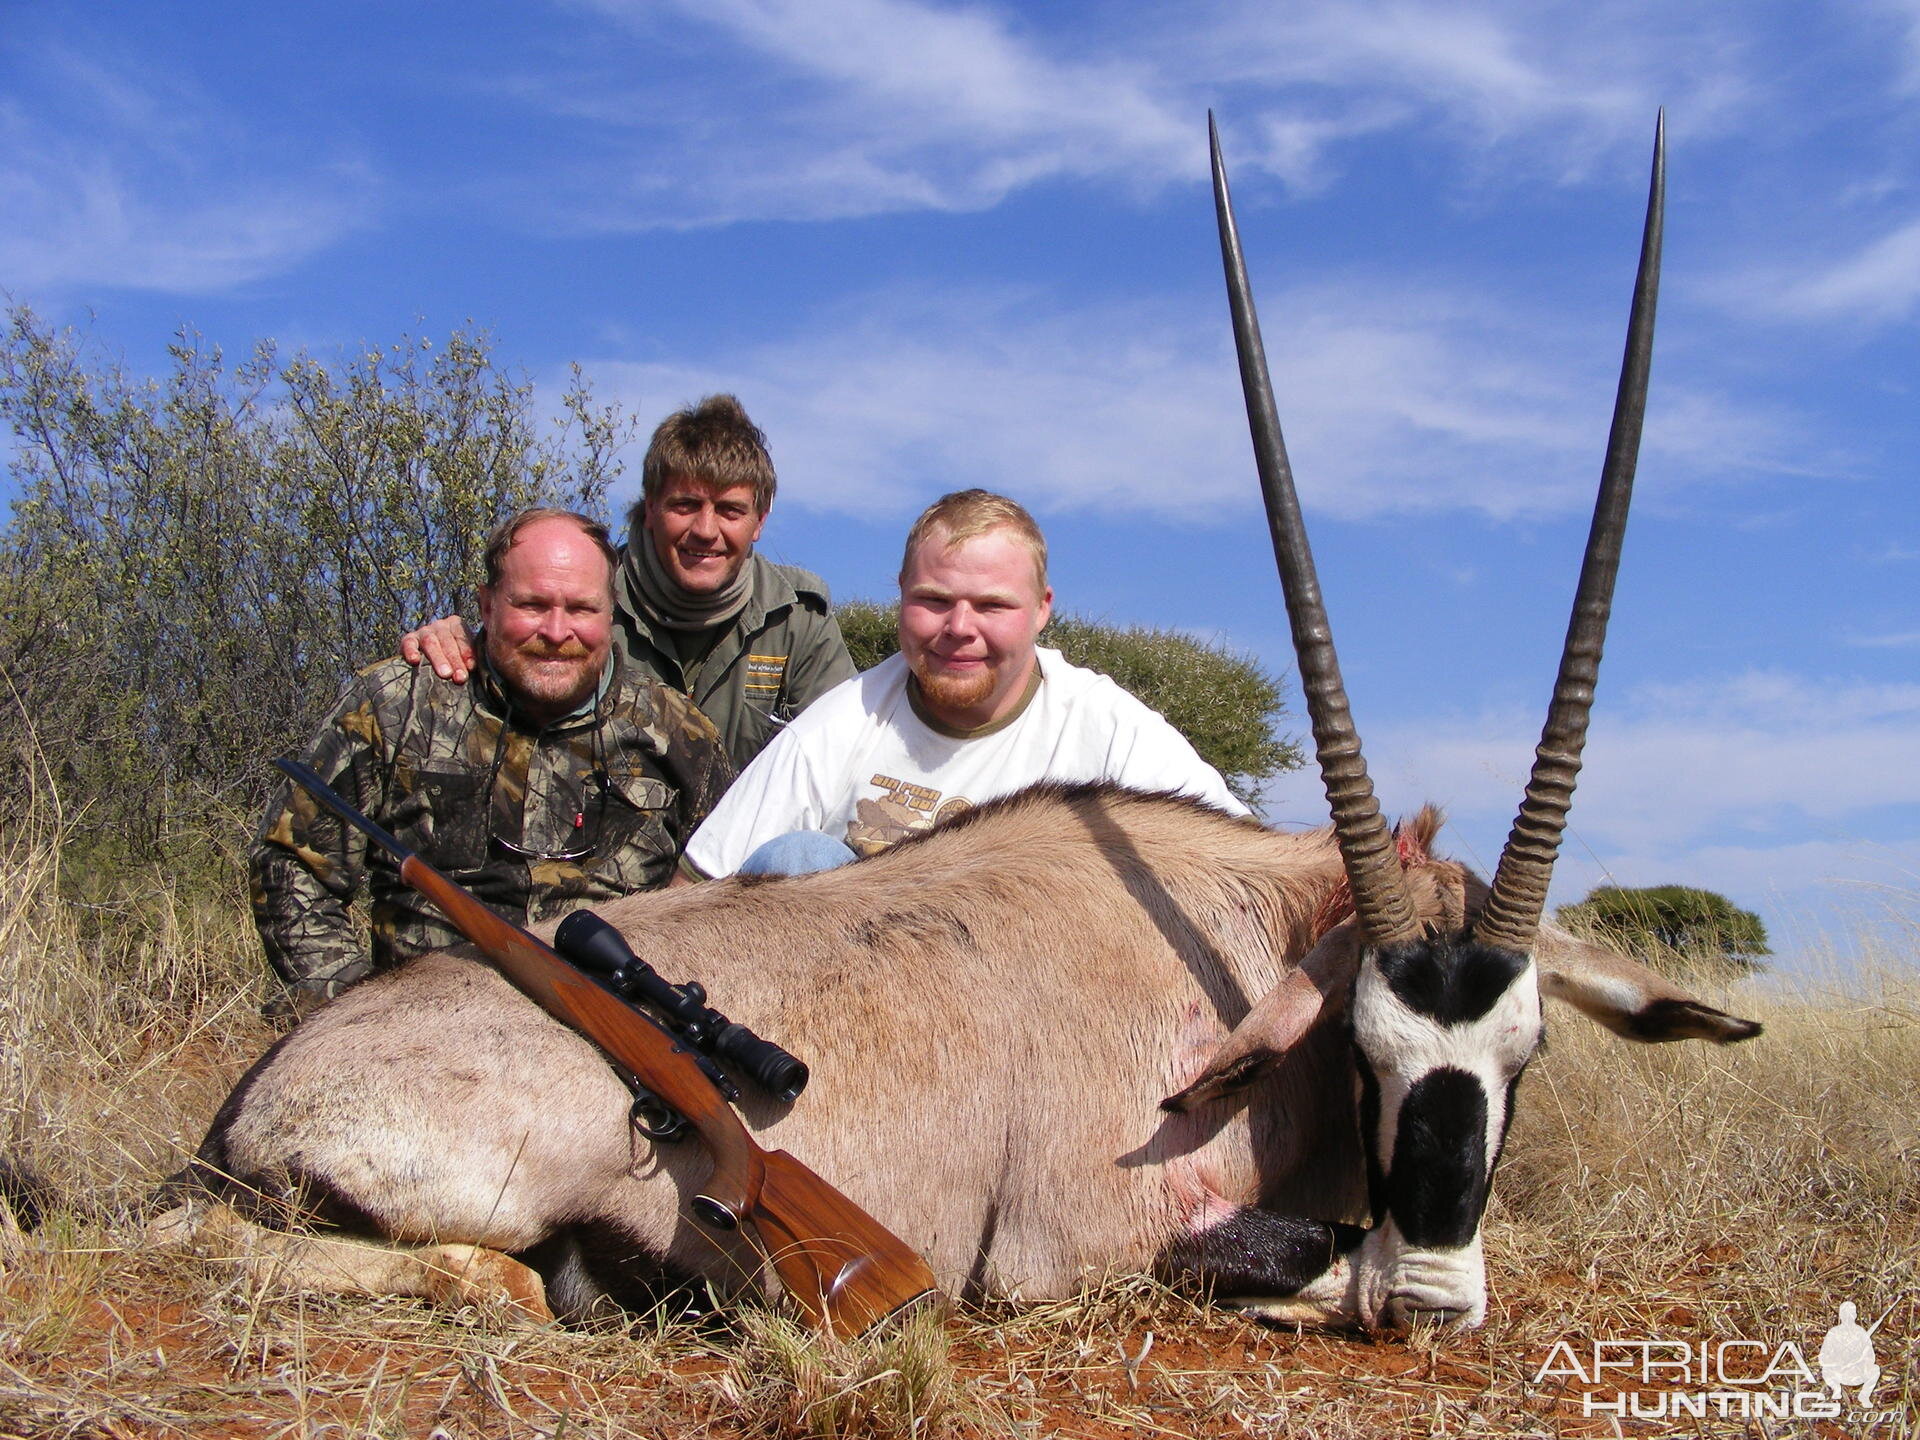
(534, 822)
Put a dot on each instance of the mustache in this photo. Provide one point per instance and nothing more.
(539, 649)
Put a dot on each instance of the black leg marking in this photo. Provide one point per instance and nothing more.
(591, 1271)
(1256, 1253)
(975, 1289)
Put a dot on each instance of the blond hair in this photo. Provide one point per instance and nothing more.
(714, 445)
(968, 514)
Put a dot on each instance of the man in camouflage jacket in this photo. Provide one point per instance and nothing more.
(557, 776)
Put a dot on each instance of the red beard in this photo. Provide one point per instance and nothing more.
(944, 690)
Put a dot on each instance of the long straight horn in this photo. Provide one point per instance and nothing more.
(1366, 845)
(1512, 916)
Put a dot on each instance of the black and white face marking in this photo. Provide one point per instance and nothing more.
(1441, 1029)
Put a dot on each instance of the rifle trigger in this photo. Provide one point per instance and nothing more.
(654, 1118)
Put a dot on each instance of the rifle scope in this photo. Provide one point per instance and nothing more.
(602, 951)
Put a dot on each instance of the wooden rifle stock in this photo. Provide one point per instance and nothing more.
(844, 1269)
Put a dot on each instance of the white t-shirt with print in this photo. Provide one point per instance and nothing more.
(860, 764)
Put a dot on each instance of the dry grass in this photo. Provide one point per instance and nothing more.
(1674, 1192)
(123, 1021)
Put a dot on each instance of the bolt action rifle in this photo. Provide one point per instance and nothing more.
(844, 1269)
(587, 941)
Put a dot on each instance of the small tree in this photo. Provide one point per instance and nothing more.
(196, 563)
(1225, 704)
(1674, 927)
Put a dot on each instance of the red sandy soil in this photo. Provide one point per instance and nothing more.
(306, 1368)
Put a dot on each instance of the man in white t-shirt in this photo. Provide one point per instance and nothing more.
(969, 710)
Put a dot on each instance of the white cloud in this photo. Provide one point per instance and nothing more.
(862, 107)
(1905, 16)
(1528, 85)
(1671, 765)
(1473, 65)
(840, 108)
(1893, 640)
(1878, 283)
(133, 180)
(891, 405)
(1393, 400)
(960, 71)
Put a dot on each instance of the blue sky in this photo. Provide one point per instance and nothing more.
(935, 244)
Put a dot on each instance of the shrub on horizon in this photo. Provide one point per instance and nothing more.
(1677, 928)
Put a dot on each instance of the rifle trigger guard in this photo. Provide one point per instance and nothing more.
(655, 1119)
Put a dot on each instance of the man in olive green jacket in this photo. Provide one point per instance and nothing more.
(752, 643)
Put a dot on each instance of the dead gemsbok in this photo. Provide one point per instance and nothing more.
(995, 1014)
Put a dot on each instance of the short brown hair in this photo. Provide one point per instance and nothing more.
(713, 444)
(967, 514)
(508, 531)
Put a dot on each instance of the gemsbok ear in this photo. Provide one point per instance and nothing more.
(1627, 997)
(1316, 990)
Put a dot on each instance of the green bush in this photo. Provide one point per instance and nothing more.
(1225, 704)
(872, 630)
(195, 564)
(1675, 927)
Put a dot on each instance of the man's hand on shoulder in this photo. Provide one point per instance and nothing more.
(444, 644)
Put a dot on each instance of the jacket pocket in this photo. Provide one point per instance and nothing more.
(451, 824)
(642, 792)
(637, 846)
